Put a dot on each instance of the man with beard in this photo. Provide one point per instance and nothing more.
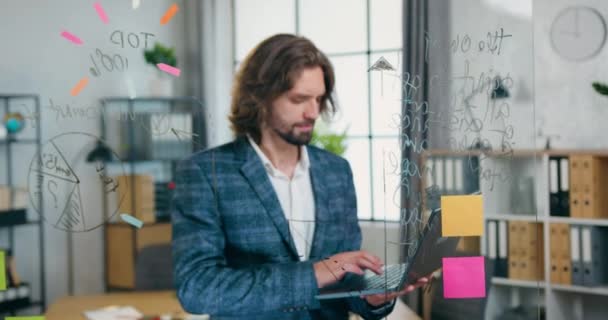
(263, 222)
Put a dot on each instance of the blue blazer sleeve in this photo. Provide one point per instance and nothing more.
(205, 283)
(356, 304)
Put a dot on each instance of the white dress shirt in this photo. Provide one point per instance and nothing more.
(296, 198)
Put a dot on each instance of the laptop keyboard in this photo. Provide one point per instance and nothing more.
(389, 279)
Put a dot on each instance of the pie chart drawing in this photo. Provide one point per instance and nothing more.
(58, 174)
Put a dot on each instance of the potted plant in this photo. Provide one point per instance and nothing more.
(162, 84)
(600, 88)
(332, 142)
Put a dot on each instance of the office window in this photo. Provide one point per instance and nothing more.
(354, 34)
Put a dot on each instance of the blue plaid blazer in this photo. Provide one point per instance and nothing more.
(234, 257)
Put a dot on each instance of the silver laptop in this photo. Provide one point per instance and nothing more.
(431, 247)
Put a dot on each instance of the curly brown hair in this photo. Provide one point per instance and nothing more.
(270, 70)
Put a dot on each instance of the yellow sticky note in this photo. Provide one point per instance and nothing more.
(461, 215)
(25, 318)
(2, 270)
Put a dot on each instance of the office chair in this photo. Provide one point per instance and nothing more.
(154, 268)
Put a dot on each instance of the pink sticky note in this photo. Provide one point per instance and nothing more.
(464, 277)
(169, 69)
(71, 37)
(102, 13)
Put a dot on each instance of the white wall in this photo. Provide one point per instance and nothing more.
(566, 103)
(36, 59)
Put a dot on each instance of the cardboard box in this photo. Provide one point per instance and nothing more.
(13, 198)
(137, 193)
(123, 243)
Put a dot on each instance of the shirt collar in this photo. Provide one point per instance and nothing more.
(303, 163)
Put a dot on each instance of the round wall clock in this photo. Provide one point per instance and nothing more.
(578, 33)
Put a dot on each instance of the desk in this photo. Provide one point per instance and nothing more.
(148, 303)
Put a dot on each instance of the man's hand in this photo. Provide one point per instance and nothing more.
(382, 298)
(333, 269)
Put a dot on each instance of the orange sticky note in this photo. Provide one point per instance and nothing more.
(79, 86)
(169, 14)
(461, 215)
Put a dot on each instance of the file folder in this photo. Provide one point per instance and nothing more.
(449, 176)
(532, 234)
(576, 189)
(514, 250)
(559, 185)
(564, 259)
(594, 181)
(564, 183)
(554, 195)
(491, 244)
(594, 251)
(575, 251)
(554, 253)
(502, 263)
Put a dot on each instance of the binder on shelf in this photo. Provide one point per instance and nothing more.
(526, 257)
(575, 251)
(439, 174)
(502, 263)
(564, 186)
(588, 168)
(560, 264)
(594, 249)
(449, 176)
(15, 297)
(533, 259)
(576, 188)
(559, 192)
(553, 186)
(14, 279)
(459, 175)
(564, 260)
(554, 253)
(492, 247)
(594, 182)
(514, 250)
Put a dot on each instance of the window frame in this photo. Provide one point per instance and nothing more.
(370, 137)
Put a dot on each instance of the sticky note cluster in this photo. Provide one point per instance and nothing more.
(463, 277)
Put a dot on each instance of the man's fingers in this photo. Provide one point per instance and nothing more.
(365, 264)
(371, 258)
(383, 296)
(423, 280)
(409, 288)
(349, 267)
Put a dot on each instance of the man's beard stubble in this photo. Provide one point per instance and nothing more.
(289, 137)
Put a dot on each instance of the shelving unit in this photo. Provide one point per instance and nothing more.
(135, 127)
(561, 302)
(16, 218)
(515, 282)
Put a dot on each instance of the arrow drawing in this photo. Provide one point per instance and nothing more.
(186, 134)
(381, 65)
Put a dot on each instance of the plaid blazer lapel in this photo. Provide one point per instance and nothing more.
(256, 175)
(317, 177)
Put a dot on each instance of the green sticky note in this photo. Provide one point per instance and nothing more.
(25, 318)
(2, 270)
